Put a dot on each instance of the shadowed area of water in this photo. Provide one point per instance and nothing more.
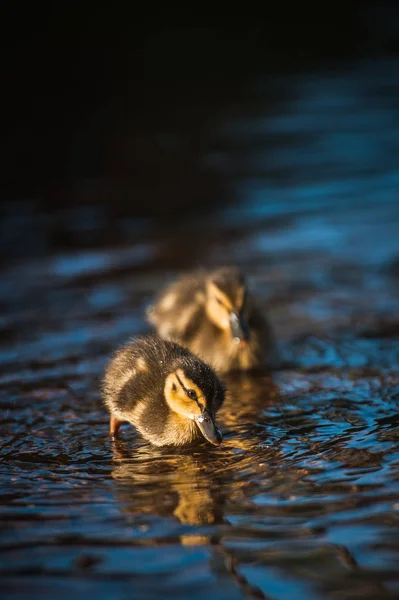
(302, 499)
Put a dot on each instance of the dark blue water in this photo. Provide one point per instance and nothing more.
(302, 499)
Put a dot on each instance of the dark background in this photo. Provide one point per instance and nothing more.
(93, 96)
(74, 78)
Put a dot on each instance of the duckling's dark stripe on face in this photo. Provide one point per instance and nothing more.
(181, 383)
(230, 282)
(230, 300)
(220, 301)
(188, 391)
(197, 391)
(220, 296)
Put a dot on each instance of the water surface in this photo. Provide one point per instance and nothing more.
(302, 499)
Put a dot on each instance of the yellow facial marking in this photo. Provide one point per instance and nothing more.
(176, 396)
(190, 385)
(214, 291)
(218, 306)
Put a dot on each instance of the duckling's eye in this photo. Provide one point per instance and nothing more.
(218, 301)
(191, 394)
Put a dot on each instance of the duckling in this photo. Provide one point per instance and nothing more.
(166, 392)
(216, 317)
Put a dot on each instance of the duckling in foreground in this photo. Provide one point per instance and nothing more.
(166, 392)
(216, 317)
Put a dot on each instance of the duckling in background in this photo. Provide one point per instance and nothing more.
(216, 317)
(166, 392)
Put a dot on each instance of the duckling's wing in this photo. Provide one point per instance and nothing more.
(178, 307)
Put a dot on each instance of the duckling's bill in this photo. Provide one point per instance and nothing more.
(208, 428)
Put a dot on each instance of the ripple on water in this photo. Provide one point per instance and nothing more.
(301, 500)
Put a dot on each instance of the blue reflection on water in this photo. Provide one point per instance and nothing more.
(74, 265)
(105, 296)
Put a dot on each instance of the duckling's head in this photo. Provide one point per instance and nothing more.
(226, 295)
(193, 391)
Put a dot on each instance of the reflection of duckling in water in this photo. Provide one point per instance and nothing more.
(166, 392)
(182, 486)
(198, 500)
(214, 315)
